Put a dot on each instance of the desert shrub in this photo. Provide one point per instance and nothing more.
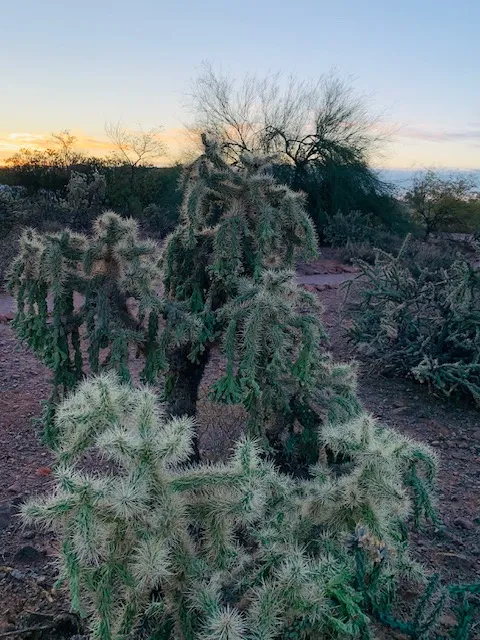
(354, 251)
(159, 220)
(233, 550)
(149, 186)
(85, 197)
(358, 237)
(77, 205)
(432, 257)
(470, 216)
(19, 209)
(8, 251)
(421, 319)
(352, 227)
(444, 203)
(415, 253)
(83, 185)
(12, 212)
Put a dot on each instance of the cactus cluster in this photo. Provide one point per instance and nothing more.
(85, 302)
(421, 320)
(235, 550)
(227, 279)
(302, 533)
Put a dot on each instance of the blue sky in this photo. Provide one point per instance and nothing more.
(78, 64)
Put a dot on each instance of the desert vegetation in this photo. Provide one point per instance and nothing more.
(419, 317)
(150, 292)
(303, 532)
(238, 549)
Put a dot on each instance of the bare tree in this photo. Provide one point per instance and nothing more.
(323, 130)
(65, 148)
(135, 148)
(303, 122)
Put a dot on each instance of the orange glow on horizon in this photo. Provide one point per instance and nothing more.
(179, 144)
(403, 151)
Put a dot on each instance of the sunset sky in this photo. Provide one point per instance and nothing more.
(76, 65)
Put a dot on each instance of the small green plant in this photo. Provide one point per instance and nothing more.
(421, 319)
(236, 550)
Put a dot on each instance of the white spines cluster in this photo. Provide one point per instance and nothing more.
(234, 551)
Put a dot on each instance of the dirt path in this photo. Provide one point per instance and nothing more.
(326, 280)
(7, 305)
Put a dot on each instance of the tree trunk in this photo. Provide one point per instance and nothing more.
(185, 381)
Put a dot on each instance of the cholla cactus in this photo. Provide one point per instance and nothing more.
(230, 259)
(224, 275)
(422, 321)
(233, 551)
(85, 195)
(90, 283)
(235, 221)
(274, 343)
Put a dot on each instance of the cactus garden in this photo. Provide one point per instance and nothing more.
(206, 460)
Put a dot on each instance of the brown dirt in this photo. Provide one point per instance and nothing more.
(27, 557)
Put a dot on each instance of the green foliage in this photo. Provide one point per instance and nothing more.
(349, 186)
(423, 321)
(351, 227)
(274, 345)
(152, 195)
(77, 204)
(224, 277)
(358, 237)
(227, 259)
(236, 550)
(444, 204)
(470, 216)
(332, 187)
(45, 170)
(12, 215)
(432, 257)
(10, 208)
(64, 185)
(85, 197)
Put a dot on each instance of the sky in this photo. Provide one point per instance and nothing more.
(77, 65)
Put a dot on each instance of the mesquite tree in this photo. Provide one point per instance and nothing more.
(227, 280)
